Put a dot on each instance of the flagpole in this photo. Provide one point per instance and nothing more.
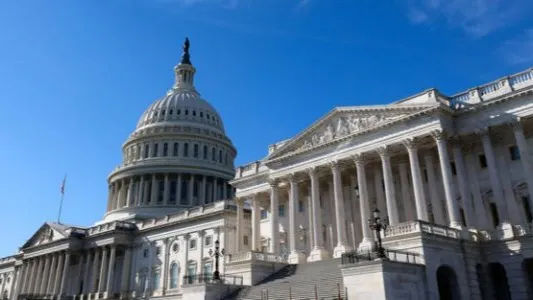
(62, 191)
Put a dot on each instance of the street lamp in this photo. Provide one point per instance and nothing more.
(375, 223)
(217, 254)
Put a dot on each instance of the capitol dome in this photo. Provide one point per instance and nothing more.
(177, 157)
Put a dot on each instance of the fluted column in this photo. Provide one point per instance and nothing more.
(451, 204)
(367, 241)
(390, 193)
(418, 188)
(256, 215)
(110, 197)
(126, 267)
(462, 182)
(178, 189)
(342, 241)
(407, 201)
(87, 269)
(495, 183)
(26, 271)
(191, 189)
(94, 276)
(103, 269)
(140, 191)
(203, 196)
(274, 220)
(318, 252)
(215, 196)
(39, 276)
(166, 191)
(45, 275)
(58, 273)
(525, 159)
(64, 274)
(110, 271)
(153, 195)
(129, 193)
(239, 225)
(295, 255)
(438, 215)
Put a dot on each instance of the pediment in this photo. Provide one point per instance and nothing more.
(343, 122)
(47, 233)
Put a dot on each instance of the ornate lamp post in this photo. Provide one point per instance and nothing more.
(217, 254)
(375, 223)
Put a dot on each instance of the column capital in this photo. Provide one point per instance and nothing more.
(312, 171)
(291, 178)
(273, 182)
(411, 143)
(359, 159)
(439, 134)
(334, 165)
(384, 151)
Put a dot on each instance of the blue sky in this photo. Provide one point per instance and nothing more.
(76, 75)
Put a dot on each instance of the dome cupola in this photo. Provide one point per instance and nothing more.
(177, 157)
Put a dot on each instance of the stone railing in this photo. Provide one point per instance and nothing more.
(111, 226)
(255, 256)
(250, 169)
(421, 226)
(492, 90)
(391, 255)
(8, 260)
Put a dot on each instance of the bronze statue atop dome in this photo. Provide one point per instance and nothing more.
(185, 57)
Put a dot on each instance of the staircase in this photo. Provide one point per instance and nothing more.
(298, 281)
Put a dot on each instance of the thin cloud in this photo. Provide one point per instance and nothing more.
(519, 50)
(477, 18)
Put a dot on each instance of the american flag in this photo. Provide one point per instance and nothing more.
(62, 188)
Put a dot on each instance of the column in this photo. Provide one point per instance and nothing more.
(19, 281)
(58, 273)
(178, 189)
(64, 275)
(378, 190)
(438, 216)
(45, 276)
(495, 183)
(110, 272)
(318, 252)
(166, 191)
(390, 194)
(165, 267)
(523, 148)
(462, 183)
(418, 188)
(191, 189)
(103, 268)
(23, 278)
(153, 195)
(367, 241)
(408, 206)
(225, 190)
(342, 241)
(39, 276)
(31, 274)
(185, 247)
(256, 215)
(274, 225)
(51, 273)
(94, 276)
(215, 196)
(451, 204)
(481, 215)
(140, 191)
(87, 270)
(126, 266)
(295, 256)
(200, 261)
(129, 193)
(239, 225)
(203, 194)
(110, 197)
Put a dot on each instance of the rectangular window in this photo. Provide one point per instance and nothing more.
(300, 206)
(196, 150)
(281, 210)
(205, 152)
(208, 240)
(192, 244)
(165, 149)
(263, 214)
(514, 152)
(175, 150)
(482, 161)
(146, 150)
(155, 150)
(185, 149)
(452, 167)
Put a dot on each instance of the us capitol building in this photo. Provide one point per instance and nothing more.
(429, 197)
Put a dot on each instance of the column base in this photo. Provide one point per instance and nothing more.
(340, 249)
(456, 225)
(296, 257)
(318, 254)
(365, 245)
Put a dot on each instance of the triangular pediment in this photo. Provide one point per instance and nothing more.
(343, 122)
(47, 233)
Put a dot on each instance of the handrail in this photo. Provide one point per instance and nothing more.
(208, 278)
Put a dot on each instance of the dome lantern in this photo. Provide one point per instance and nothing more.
(184, 70)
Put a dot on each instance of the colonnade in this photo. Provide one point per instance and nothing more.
(167, 189)
(45, 274)
(463, 204)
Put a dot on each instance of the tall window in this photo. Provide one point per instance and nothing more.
(155, 150)
(175, 150)
(156, 276)
(220, 156)
(196, 150)
(174, 275)
(205, 152)
(482, 161)
(186, 149)
(213, 154)
(165, 149)
(514, 152)
(146, 149)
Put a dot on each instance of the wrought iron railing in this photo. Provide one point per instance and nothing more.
(393, 255)
(208, 278)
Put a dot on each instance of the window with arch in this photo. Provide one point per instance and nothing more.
(186, 112)
(194, 113)
(156, 277)
(220, 156)
(191, 270)
(186, 149)
(174, 275)
(175, 149)
(146, 149)
(196, 151)
(165, 149)
(179, 111)
(156, 148)
(213, 154)
(205, 151)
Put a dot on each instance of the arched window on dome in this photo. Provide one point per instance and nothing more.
(175, 150)
(196, 151)
(146, 150)
(156, 150)
(186, 149)
(205, 151)
(213, 154)
(179, 111)
(207, 116)
(174, 275)
(165, 149)
(194, 113)
(138, 151)
(186, 112)
(201, 114)
(220, 156)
